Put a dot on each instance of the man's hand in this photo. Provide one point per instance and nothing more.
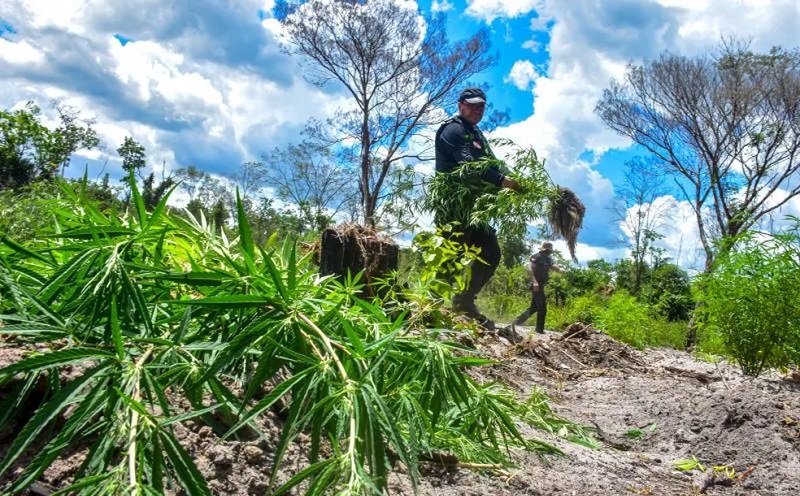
(509, 183)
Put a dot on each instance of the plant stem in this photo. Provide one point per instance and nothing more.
(137, 394)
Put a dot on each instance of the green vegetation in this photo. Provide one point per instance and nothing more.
(588, 295)
(163, 319)
(752, 305)
(463, 197)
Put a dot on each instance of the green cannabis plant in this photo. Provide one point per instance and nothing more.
(462, 197)
(137, 323)
(751, 301)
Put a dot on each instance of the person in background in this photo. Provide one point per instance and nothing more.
(458, 141)
(541, 265)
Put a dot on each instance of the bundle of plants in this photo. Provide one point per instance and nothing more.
(152, 320)
(463, 197)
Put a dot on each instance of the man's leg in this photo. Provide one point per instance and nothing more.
(486, 240)
(541, 309)
(528, 311)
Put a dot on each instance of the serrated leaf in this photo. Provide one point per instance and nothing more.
(194, 278)
(45, 414)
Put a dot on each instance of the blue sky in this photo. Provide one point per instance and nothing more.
(204, 82)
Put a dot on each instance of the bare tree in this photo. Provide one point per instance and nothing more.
(640, 214)
(398, 69)
(725, 127)
(307, 175)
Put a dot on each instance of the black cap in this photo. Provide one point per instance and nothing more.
(472, 95)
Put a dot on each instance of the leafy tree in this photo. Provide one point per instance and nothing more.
(191, 180)
(725, 127)
(132, 155)
(398, 70)
(514, 249)
(30, 151)
(153, 192)
(134, 159)
(268, 220)
(72, 135)
(596, 274)
(669, 291)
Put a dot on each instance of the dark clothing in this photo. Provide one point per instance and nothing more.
(538, 306)
(457, 142)
(541, 264)
(486, 240)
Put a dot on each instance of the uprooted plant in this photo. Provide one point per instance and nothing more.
(461, 196)
(154, 310)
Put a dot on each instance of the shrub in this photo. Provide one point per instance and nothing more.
(752, 302)
(585, 308)
(637, 324)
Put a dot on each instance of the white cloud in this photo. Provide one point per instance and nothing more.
(488, 10)
(533, 46)
(590, 44)
(441, 6)
(523, 74)
(205, 85)
(586, 253)
(20, 52)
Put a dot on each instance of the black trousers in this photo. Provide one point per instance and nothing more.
(538, 306)
(486, 240)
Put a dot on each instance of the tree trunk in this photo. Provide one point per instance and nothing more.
(350, 249)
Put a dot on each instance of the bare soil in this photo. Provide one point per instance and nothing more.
(648, 408)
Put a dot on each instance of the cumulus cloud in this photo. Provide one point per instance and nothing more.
(197, 82)
(488, 10)
(522, 75)
(205, 83)
(591, 43)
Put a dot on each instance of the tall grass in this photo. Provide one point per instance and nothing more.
(156, 310)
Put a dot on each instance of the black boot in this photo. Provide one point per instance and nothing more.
(465, 303)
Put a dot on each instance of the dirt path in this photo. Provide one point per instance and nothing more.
(671, 407)
(674, 406)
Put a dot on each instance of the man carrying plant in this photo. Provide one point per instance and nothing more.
(460, 141)
(540, 266)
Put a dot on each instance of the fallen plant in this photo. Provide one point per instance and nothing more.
(153, 310)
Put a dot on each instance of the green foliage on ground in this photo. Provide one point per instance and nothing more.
(752, 305)
(163, 319)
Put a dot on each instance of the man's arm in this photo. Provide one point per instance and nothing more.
(454, 140)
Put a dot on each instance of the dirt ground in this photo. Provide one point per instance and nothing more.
(670, 405)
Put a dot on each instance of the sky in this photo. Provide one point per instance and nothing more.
(205, 82)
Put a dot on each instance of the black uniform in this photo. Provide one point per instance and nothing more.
(540, 268)
(457, 142)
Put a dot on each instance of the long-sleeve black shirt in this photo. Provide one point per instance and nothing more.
(457, 142)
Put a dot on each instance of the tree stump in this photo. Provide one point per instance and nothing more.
(350, 249)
